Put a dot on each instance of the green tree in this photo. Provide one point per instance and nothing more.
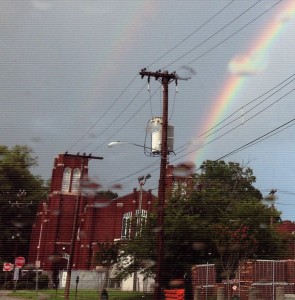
(213, 220)
(20, 193)
(106, 257)
(106, 195)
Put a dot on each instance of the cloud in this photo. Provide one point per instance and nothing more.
(41, 4)
(247, 65)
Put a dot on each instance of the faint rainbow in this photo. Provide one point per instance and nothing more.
(122, 42)
(125, 37)
(251, 62)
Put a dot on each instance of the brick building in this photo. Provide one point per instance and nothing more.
(98, 219)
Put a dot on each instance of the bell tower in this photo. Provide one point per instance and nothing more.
(55, 232)
(67, 172)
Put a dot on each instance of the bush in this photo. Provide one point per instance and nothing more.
(43, 281)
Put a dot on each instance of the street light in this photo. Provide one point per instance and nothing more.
(112, 144)
(141, 180)
(38, 263)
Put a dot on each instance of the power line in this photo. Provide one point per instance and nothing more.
(234, 33)
(129, 84)
(104, 114)
(210, 131)
(253, 20)
(138, 110)
(192, 33)
(111, 106)
(118, 116)
(212, 35)
(261, 138)
(247, 104)
(251, 143)
(231, 130)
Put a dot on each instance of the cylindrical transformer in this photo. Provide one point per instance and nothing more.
(156, 125)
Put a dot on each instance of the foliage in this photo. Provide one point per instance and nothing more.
(43, 281)
(106, 195)
(107, 254)
(20, 193)
(106, 257)
(213, 220)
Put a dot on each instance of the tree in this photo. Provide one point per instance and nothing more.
(106, 195)
(213, 220)
(20, 193)
(106, 257)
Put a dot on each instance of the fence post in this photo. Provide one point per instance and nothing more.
(197, 293)
(280, 293)
(252, 293)
(220, 293)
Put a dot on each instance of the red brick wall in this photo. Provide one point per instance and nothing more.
(99, 220)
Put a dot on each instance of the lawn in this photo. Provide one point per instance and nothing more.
(81, 295)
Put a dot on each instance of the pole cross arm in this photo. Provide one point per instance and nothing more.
(158, 74)
(90, 156)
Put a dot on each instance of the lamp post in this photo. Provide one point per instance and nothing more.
(37, 263)
(141, 180)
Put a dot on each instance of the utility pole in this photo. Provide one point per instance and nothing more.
(85, 159)
(19, 204)
(165, 78)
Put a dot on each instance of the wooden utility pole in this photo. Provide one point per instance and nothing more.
(85, 158)
(165, 78)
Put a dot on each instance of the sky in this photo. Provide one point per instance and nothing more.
(70, 82)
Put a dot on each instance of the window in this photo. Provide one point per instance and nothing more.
(141, 217)
(66, 179)
(126, 225)
(76, 180)
(179, 187)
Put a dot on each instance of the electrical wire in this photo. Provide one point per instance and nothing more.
(173, 103)
(129, 84)
(212, 35)
(234, 33)
(230, 130)
(191, 34)
(138, 110)
(261, 138)
(249, 103)
(118, 116)
(210, 49)
(241, 148)
(211, 131)
(104, 114)
(252, 142)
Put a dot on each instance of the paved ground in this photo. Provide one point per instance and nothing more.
(4, 297)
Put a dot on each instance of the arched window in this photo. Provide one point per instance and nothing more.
(66, 179)
(76, 180)
(141, 217)
(126, 225)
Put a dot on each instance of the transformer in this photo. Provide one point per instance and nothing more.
(156, 125)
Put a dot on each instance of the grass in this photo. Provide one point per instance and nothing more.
(81, 295)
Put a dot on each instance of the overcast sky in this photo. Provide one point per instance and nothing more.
(70, 82)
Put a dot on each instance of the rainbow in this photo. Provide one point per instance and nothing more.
(253, 62)
(121, 44)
